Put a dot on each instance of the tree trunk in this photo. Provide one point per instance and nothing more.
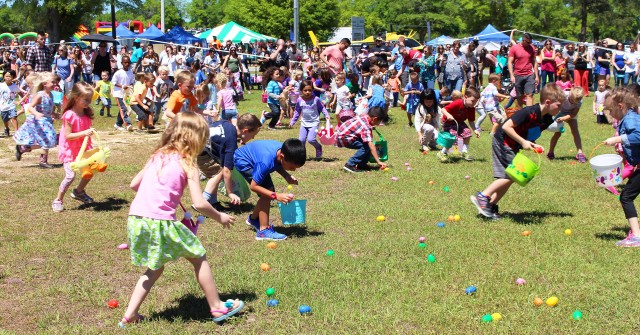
(53, 25)
(583, 19)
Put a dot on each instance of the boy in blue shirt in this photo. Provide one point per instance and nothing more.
(412, 96)
(255, 162)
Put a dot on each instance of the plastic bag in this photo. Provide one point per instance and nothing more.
(240, 186)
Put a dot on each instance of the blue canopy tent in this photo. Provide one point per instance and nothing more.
(152, 33)
(441, 40)
(122, 32)
(179, 36)
(491, 34)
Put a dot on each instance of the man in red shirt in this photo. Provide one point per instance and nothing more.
(523, 68)
(333, 56)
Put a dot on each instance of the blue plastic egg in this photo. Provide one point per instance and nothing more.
(272, 303)
(440, 225)
(304, 309)
(470, 290)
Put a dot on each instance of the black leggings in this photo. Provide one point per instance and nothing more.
(629, 194)
(274, 115)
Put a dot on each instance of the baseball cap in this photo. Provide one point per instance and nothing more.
(137, 40)
(364, 47)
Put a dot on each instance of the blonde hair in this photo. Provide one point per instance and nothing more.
(221, 80)
(341, 76)
(377, 79)
(80, 90)
(163, 69)
(202, 93)
(186, 135)
(297, 73)
(576, 94)
(455, 95)
(183, 76)
(40, 79)
(620, 96)
(553, 93)
(494, 77)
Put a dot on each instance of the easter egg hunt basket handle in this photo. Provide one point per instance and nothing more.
(594, 150)
(446, 139)
(381, 147)
(522, 169)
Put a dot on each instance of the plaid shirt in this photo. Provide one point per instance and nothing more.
(358, 127)
(39, 58)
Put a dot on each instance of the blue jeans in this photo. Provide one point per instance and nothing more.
(87, 78)
(455, 84)
(546, 77)
(630, 78)
(361, 157)
(123, 113)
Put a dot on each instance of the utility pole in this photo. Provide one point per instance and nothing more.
(162, 16)
(296, 22)
(113, 20)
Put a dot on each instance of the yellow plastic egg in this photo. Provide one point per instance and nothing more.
(290, 187)
(552, 301)
(456, 217)
(272, 245)
(380, 218)
(496, 316)
(567, 232)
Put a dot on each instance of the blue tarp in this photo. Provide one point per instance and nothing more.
(152, 33)
(491, 34)
(178, 35)
(441, 40)
(122, 32)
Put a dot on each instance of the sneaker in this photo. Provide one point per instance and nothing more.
(6, 132)
(45, 165)
(253, 223)
(425, 148)
(57, 206)
(120, 128)
(270, 234)
(129, 127)
(262, 118)
(18, 153)
(629, 241)
(495, 209)
(467, 157)
(442, 156)
(81, 196)
(350, 168)
(482, 204)
(581, 158)
(101, 112)
(551, 156)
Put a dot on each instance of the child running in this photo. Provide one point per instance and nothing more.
(8, 93)
(76, 125)
(142, 102)
(37, 131)
(455, 115)
(427, 120)
(182, 99)
(310, 107)
(510, 138)
(489, 103)
(568, 114)
(622, 103)
(155, 235)
(122, 81)
(226, 104)
(162, 89)
(357, 134)
(104, 87)
(216, 160)
(275, 93)
(255, 162)
(411, 95)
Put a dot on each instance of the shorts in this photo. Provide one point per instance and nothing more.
(502, 155)
(266, 183)
(229, 114)
(525, 85)
(462, 130)
(8, 115)
(141, 113)
(208, 165)
(604, 71)
(106, 102)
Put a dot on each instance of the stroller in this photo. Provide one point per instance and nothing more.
(506, 85)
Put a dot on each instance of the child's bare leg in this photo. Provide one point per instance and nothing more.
(409, 118)
(14, 122)
(496, 190)
(234, 121)
(212, 184)
(553, 142)
(143, 286)
(573, 124)
(262, 211)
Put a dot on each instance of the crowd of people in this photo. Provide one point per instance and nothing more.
(193, 93)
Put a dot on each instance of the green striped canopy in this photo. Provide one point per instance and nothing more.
(234, 32)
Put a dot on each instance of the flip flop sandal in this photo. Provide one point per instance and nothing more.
(226, 312)
(123, 325)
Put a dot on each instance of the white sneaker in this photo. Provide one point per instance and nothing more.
(118, 127)
(129, 128)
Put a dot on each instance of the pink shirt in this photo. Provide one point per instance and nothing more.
(564, 85)
(523, 59)
(548, 65)
(225, 97)
(161, 188)
(335, 56)
(69, 149)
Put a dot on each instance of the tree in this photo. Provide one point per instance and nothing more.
(205, 13)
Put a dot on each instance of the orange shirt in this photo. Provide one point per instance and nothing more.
(395, 84)
(178, 102)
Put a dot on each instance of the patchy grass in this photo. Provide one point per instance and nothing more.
(59, 270)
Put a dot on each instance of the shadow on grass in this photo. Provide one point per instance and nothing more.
(241, 208)
(37, 166)
(299, 231)
(191, 307)
(533, 217)
(615, 234)
(109, 204)
(565, 158)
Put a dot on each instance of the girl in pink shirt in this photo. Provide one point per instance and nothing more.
(155, 236)
(76, 124)
(564, 81)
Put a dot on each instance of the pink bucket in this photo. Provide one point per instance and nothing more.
(327, 136)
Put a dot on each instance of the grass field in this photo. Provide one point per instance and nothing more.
(59, 270)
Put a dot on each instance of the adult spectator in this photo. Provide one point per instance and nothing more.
(619, 64)
(216, 42)
(427, 67)
(123, 52)
(454, 67)
(101, 62)
(64, 67)
(603, 59)
(581, 72)
(569, 55)
(333, 56)
(150, 61)
(471, 66)
(39, 55)
(87, 67)
(632, 61)
(233, 62)
(296, 57)
(381, 50)
(547, 63)
(212, 61)
(279, 56)
(136, 55)
(199, 55)
(522, 61)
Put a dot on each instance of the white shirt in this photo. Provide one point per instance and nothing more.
(121, 78)
(8, 96)
(633, 58)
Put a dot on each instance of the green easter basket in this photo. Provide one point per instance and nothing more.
(522, 169)
(381, 148)
(446, 139)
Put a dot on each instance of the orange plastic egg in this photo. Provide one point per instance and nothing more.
(272, 245)
(526, 233)
(538, 302)
(265, 267)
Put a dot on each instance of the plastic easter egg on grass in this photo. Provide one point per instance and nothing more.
(451, 218)
(526, 233)
(537, 302)
(520, 281)
(304, 309)
(289, 187)
(265, 267)
(394, 178)
(440, 225)
(487, 318)
(422, 239)
(113, 303)
(552, 301)
(467, 177)
(330, 252)
(577, 315)
(272, 245)
(456, 218)
(270, 291)
(446, 189)
(422, 245)
(496, 316)
(123, 246)
(386, 169)
(567, 232)
(431, 182)
(272, 303)
(470, 290)
(431, 258)
(408, 169)
(380, 218)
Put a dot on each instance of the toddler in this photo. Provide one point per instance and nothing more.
(455, 115)
(309, 107)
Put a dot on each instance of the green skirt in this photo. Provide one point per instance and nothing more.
(153, 243)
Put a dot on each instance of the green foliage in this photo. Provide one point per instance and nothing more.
(205, 13)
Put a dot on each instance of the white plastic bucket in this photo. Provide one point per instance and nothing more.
(556, 127)
(607, 169)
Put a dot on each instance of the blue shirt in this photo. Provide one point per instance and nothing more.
(200, 77)
(273, 88)
(223, 142)
(259, 156)
(136, 55)
(63, 67)
(629, 130)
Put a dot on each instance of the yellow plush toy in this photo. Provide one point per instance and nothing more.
(92, 160)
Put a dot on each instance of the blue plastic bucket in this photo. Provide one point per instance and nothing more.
(294, 212)
(57, 97)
